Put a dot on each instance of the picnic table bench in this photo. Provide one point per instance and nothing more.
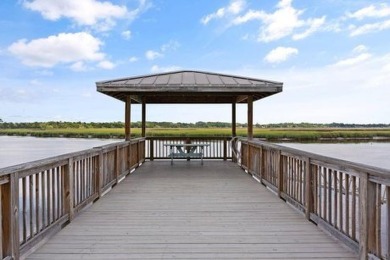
(186, 151)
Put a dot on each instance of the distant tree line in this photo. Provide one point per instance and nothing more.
(200, 124)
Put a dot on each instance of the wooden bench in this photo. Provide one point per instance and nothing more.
(186, 151)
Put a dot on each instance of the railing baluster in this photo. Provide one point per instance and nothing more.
(58, 192)
(37, 202)
(308, 188)
(330, 173)
(24, 210)
(378, 215)
(31, 206)
(340, 187)
(354, 205)
(69, 188)
(53, 175)
(314, 171)
(44, 197)
(336, 199)
(347, 206)
(387, 236)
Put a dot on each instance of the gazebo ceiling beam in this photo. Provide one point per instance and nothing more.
(175, 98)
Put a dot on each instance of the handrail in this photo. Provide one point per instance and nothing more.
(219, 146)
(40, 197)
(350, 200)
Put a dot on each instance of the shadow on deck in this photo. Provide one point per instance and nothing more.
(190, 211)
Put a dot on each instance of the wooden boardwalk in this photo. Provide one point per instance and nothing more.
(189, 211)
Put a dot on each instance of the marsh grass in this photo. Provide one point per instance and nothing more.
(266, 133)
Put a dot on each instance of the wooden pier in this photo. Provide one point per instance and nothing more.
(189, 211)
(119, 201)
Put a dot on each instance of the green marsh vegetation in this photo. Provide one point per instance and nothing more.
(290, 131)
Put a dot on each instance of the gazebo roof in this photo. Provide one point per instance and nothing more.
(189, 87)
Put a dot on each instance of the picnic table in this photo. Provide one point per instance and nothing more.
(186, 151)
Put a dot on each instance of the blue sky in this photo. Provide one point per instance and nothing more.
(333, 56)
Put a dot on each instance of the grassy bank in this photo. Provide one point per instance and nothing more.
(269, 134)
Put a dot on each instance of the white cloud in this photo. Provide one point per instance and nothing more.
(78, 66)
(85, 12)
(171, 45)
(126, 34)
(35, 82)
(133, 59)
(249, 16)
(105, 64)
(157, 69)
(372, 11)
(280, 54)
(55, 49)
(360, 48)
(353, 61)
(314, 25)
(363, 83)
(375, 13)
(234, 8)
(281, 23)
(369, 28)
(152, 55)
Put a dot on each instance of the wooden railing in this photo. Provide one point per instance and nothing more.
(220, 147)
(39, 198)
(349, 200)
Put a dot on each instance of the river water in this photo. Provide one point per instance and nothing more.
(15, 150)
(370, 153)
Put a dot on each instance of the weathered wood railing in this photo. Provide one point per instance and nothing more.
(219, 148)
(349, 200)
(38, 198)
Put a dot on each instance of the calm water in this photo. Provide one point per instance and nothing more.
(371, 153)
(15, 149)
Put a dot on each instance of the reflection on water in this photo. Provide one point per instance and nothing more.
(15, 149)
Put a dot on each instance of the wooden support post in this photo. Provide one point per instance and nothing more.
(69, 189)
(234, 133)
(367, 204)
(308, 189)
(10, 221)
(143, 118)
(250, 117)
(371, 220)
(128, 118)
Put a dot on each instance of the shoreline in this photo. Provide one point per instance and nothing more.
(272, 135)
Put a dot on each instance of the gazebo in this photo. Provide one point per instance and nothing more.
(188, 87)
(152, 209)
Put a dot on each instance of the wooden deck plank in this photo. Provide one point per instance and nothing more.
(189, 211)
